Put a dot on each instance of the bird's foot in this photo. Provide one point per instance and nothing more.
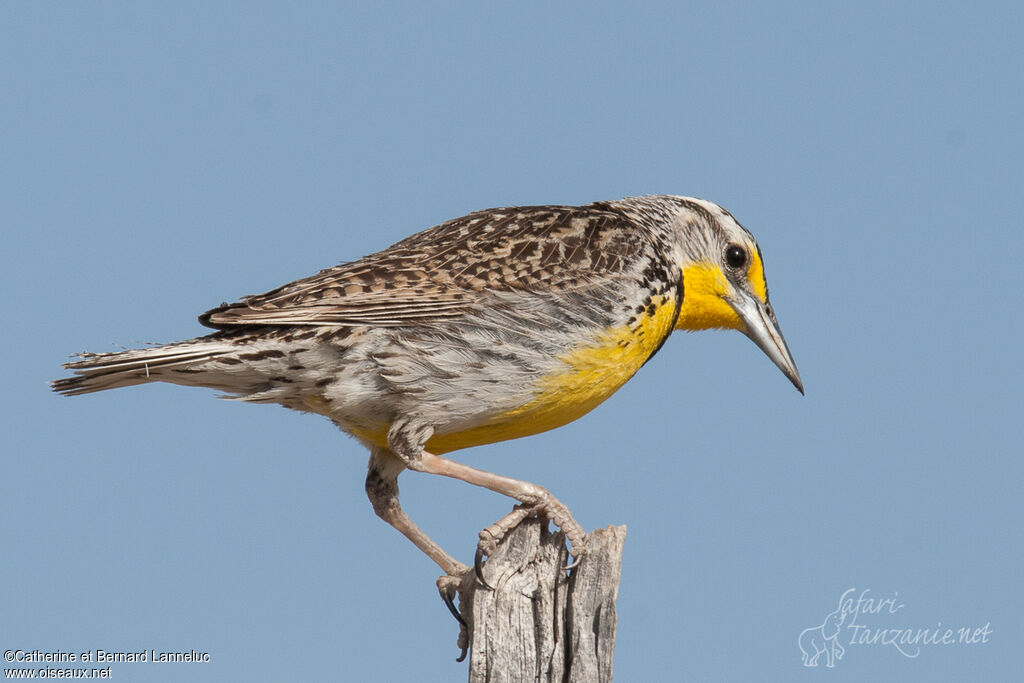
(548, 507)
(452, 587)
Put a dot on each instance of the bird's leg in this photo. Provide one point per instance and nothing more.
(406, 439)
(382, 490)
(536, 500)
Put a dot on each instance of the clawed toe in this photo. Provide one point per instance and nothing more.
(449, 586)
(552, 510)
(478, 566)
(448, 596)
(577, 558)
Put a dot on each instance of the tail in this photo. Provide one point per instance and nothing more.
(210, 361)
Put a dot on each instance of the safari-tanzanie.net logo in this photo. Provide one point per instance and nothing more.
(861, 620)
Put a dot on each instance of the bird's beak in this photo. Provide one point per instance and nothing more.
(764, 331)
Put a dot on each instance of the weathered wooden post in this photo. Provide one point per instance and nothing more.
(538, 623)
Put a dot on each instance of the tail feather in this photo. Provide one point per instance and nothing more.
(205, 361)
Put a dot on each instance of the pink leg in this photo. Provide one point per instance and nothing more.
(535, 499)
(382, 490)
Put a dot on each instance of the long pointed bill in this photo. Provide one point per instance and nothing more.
(765, 332)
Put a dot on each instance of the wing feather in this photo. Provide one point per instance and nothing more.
(442, 272)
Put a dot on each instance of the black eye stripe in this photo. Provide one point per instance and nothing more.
(735, 256)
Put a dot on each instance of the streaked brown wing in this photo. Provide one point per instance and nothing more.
(438, 273)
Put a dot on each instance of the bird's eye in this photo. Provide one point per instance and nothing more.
(735, 256)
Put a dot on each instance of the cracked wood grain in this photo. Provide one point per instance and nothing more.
(538, 624)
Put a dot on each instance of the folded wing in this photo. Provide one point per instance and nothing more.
(439, 273)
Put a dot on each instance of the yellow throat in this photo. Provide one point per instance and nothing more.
(704, 306)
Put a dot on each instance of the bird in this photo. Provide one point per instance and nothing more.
(503, 323)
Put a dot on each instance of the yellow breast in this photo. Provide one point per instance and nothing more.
(590, 374)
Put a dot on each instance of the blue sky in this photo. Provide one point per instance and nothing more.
(158, 159)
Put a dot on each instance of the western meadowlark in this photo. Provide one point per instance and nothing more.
(500, 324)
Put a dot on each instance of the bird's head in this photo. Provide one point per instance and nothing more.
(723, 281)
